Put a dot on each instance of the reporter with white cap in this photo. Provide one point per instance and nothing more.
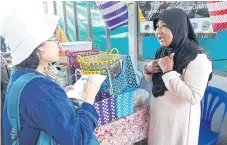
(43, 104)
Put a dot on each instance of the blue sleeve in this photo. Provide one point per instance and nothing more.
(49, 108)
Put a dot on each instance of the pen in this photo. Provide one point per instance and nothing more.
(84, 79)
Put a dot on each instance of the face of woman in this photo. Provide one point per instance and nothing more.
(49, 50)
(163, 34)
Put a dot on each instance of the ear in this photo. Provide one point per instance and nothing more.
(40, 48)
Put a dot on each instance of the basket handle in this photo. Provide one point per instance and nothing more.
(113, 50)
(139, 76)
(89, 39)
(71, 54)
(78, 72)
(110, 80)
(79, 57)
(67, 53)
(95, 48)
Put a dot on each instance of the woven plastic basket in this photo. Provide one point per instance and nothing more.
(93, 64)
(105, 104)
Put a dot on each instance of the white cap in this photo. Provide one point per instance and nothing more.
(26, 31)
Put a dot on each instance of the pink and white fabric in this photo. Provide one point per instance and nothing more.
(218, 14)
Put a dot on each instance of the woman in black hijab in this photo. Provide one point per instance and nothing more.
(180, 73)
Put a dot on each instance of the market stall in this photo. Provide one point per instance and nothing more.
(121, 104)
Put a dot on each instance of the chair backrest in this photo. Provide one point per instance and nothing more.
(210, 107)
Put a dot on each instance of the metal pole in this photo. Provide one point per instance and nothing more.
(65, 19)
(55, 8)
(76, 21)
(132, 33)
(140, 38)
(45, 7)
(108, 41)
(89, 19)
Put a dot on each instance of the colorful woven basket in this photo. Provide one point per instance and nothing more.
(105, 105)
(93, 64)
(124, 103)
(73, 65)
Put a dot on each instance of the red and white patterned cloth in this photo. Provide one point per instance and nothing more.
(126, 130)
(218, 14)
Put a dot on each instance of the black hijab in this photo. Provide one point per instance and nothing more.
(184, 45)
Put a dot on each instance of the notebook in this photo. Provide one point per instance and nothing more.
(78, 88)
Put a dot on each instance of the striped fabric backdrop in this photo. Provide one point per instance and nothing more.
(114, 13)
(218, 14)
